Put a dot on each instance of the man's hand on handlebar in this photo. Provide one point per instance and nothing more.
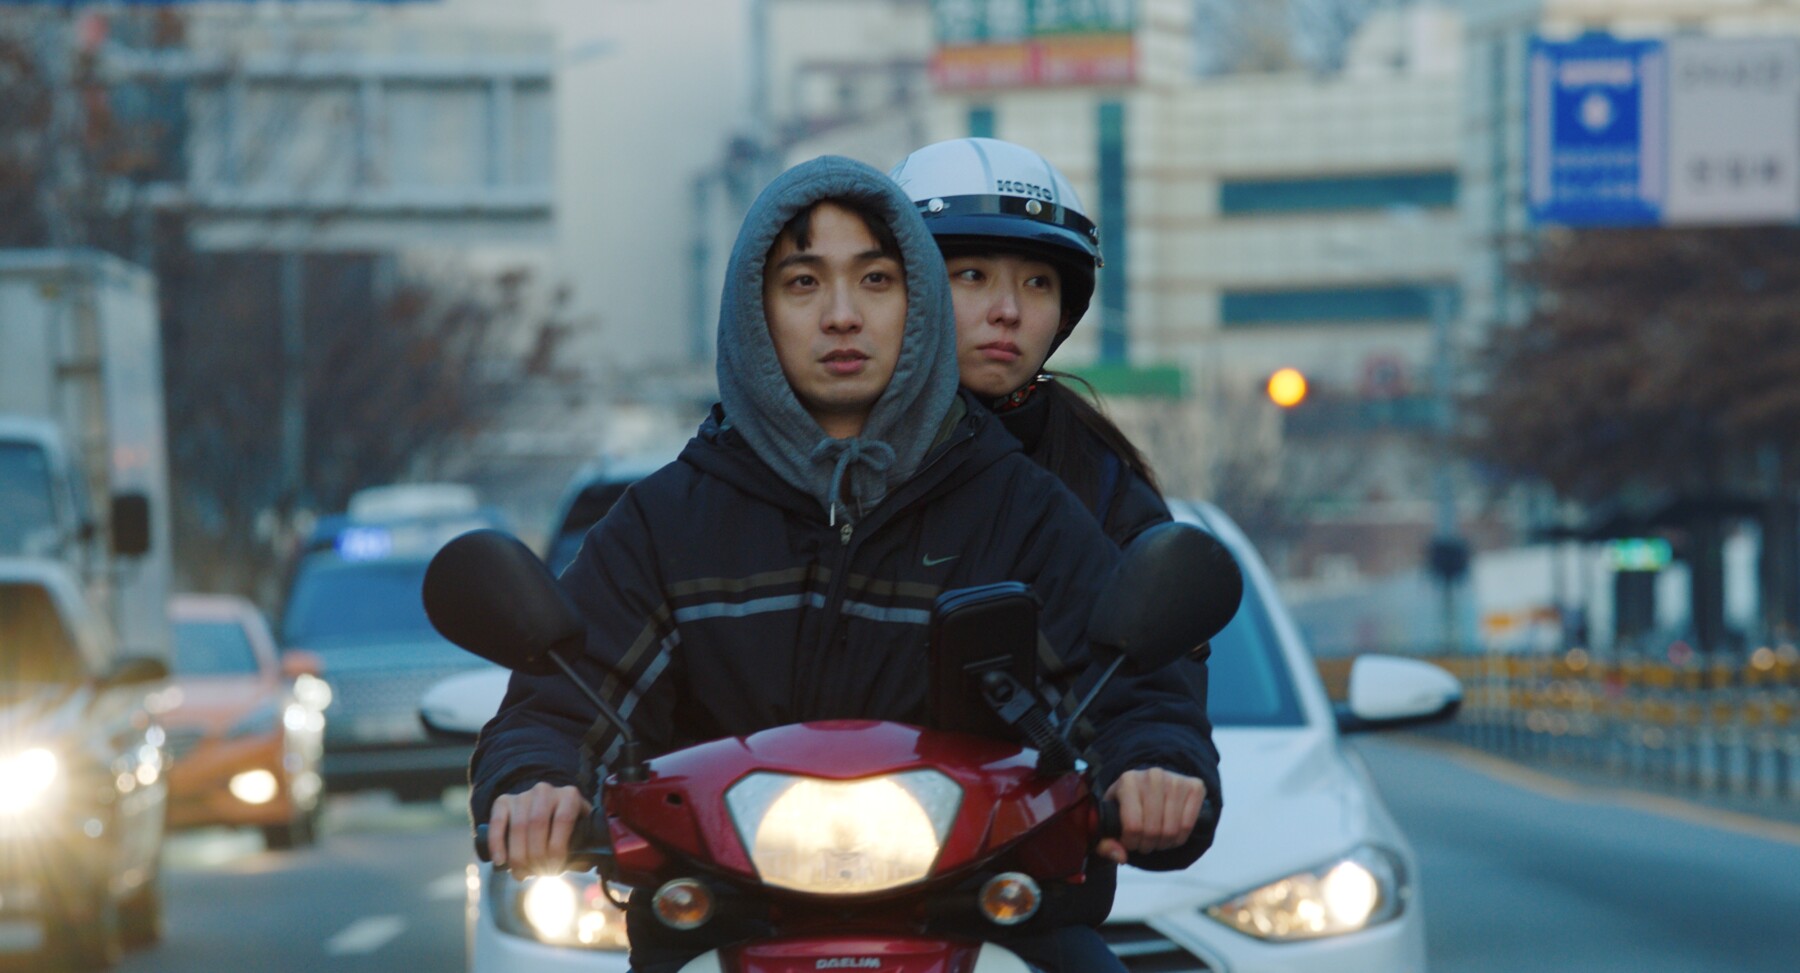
(529, 833)
(1157, 809)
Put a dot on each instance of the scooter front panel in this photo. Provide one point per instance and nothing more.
(879, 955)
(990, 959)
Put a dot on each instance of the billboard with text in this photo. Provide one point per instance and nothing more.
(1033, 43)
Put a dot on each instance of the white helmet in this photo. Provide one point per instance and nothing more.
(979, 193)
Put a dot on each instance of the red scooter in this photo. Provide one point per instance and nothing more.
(859, 845)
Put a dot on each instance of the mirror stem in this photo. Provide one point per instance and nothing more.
(1105, 677)
(631, 764)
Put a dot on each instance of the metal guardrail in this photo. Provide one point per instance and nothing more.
(1723, 725)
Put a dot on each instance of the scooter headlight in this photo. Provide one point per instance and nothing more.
(830, 837)
(563, 910)
(25, 779)
(1362, 889)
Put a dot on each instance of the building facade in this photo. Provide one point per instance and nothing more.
(1256, 222)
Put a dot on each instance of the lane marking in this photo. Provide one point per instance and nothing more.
(452, 886)
(1557, 788)
(211, 848)
(365, 936)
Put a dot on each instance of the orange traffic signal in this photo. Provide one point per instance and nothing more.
(1287, 388)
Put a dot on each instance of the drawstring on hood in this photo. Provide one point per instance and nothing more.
(876, 455)
(761, 405)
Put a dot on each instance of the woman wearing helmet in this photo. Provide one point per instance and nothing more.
(1022, 253)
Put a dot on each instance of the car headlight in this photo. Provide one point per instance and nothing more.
(25, 778)
(260, 721)
(1365, 888)
(851, 837)
(312, 692)
(561, 910)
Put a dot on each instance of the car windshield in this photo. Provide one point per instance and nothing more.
(35, 647)
(588, 507)
(27, 518)
(339, 601)
(213, 648)
(1248, 679)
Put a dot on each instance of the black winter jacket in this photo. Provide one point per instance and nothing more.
(1127, 506)
(721, 603)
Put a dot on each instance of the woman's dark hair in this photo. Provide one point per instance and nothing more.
(799, 228)
(1066, 448)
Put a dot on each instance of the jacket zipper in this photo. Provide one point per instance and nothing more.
(834, 596)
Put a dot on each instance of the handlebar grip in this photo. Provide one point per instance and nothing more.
(1111, 824)
(581, 840)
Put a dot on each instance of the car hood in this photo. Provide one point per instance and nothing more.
(35, 713)
(1293, 800)
(341, 656)
(215, 702)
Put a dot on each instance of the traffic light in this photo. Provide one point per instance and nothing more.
(1287, 388)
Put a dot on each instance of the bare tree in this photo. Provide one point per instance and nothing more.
(1323, 29)
(390, 376)
(1244, 36)
(389, 382)
(1249, 36)
(25, 110)
(1656, 379)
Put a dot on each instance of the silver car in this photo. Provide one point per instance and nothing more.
(361, 616)
(83, 789)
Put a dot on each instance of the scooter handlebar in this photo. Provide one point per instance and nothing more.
(1108, 823)
(584, 850)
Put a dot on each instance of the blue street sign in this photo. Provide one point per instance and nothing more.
(1598, 139)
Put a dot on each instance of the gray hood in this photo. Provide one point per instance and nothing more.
(761, 405)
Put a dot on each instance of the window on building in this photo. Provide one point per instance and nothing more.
(1243, 197)
(981, 122)
(1326, 305)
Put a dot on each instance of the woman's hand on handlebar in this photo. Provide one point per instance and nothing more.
(529, 833)
(1157, 808)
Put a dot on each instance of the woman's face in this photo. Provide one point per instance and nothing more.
(1008, 311)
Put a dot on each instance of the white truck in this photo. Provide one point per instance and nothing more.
(83, 449)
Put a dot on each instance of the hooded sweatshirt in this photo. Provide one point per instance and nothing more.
(722, 600)
(760, 403)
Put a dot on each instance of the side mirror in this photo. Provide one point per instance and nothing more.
(299, 662)
(486, 592)
(131, 524)
(458, 707)
(137, 670)
(1388, 692)
(1176, 587)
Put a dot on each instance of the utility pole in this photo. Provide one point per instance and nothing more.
(56, 51)
(761, 115)
(1448, 556)
(293, 381)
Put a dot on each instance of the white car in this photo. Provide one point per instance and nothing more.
(1308, 870)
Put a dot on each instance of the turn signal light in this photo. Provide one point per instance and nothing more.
(1010, 898)
(683, 904)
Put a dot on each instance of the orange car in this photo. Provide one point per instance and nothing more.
(247, 728)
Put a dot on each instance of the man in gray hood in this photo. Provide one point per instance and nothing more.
(784, 568)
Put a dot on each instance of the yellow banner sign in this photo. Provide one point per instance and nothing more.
(1069, 59)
